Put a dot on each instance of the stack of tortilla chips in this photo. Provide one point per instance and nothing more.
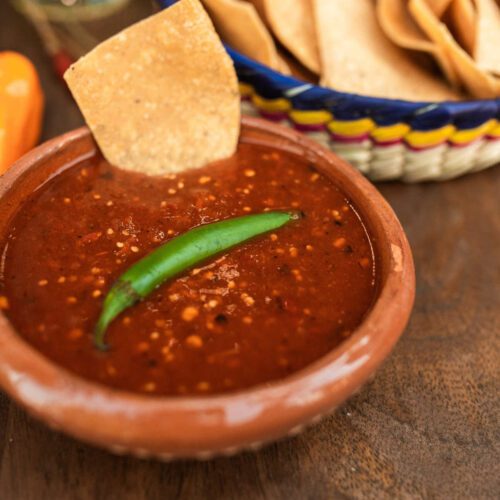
(429, 50)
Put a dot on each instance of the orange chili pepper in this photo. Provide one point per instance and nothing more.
(21, 107)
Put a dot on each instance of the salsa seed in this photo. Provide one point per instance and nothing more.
(364, 262)
(314, 177)
(71, 300)
(126, 320)
(293, 252)
(163, 204)
(339, 242)
(309, 248)
(246, 191)
(194, 341)
(67, 201)
(247, 299)
(109, 231)
(203, 386)
(118, 261)
(120, 244)
(210, 325)
(134, 249)
(273, 237)
(61, 279)
(111, 370)
(4, 302)
(212, 303)
(160, 323)
(96, 293)
(42, 282)
(75, 333)
(95, 270)
(171, 191)
(143, 346)
(109, 203)
(174, 297)
(247, 209)
(170, 232)
(180, 185)
(295, 204)
(150, 387)
(211, 197)
(204, 179)
(189, 313)
(247, 320)
(345, 208)
(249, 172)
(154, 335)
(307, 311)
(97, 196)
(125, 233)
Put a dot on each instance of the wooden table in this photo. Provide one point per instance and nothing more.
(427, 426)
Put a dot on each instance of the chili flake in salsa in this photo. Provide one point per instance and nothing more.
(254, 314)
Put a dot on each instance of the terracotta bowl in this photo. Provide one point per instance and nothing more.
(168, 427)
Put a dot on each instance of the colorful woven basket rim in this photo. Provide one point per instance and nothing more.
(274, 89)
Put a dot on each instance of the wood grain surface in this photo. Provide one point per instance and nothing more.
(427, 426)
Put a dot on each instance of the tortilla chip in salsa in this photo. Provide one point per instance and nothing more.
(162, 95)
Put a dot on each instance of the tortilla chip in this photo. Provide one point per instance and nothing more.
(487, 49)
(357, 56)
(479, 83)
(438, 7)
(292, 23)
(238, 24)
(463, 23)
(162, 95)
(297, 69)
(400, 27)
(259, 7)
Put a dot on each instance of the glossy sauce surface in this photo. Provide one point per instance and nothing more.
(250, 316)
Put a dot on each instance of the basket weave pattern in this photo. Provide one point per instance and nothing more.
(386, 152)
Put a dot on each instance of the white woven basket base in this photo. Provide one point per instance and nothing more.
(382, 163)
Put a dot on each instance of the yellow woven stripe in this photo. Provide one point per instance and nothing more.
(469, 135)
(271, 105)
(351, 128)
(246, 90)
(422, 139)
(495, 130)
(310, 117)
(390, 132)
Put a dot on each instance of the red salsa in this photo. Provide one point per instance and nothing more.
(252, 315)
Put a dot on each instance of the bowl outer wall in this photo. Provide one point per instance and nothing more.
(201, 426)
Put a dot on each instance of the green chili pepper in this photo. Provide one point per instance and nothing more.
(179, 254)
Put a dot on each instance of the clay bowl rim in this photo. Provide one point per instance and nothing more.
(174, 427)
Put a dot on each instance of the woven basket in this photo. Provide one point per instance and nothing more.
(384, 138)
